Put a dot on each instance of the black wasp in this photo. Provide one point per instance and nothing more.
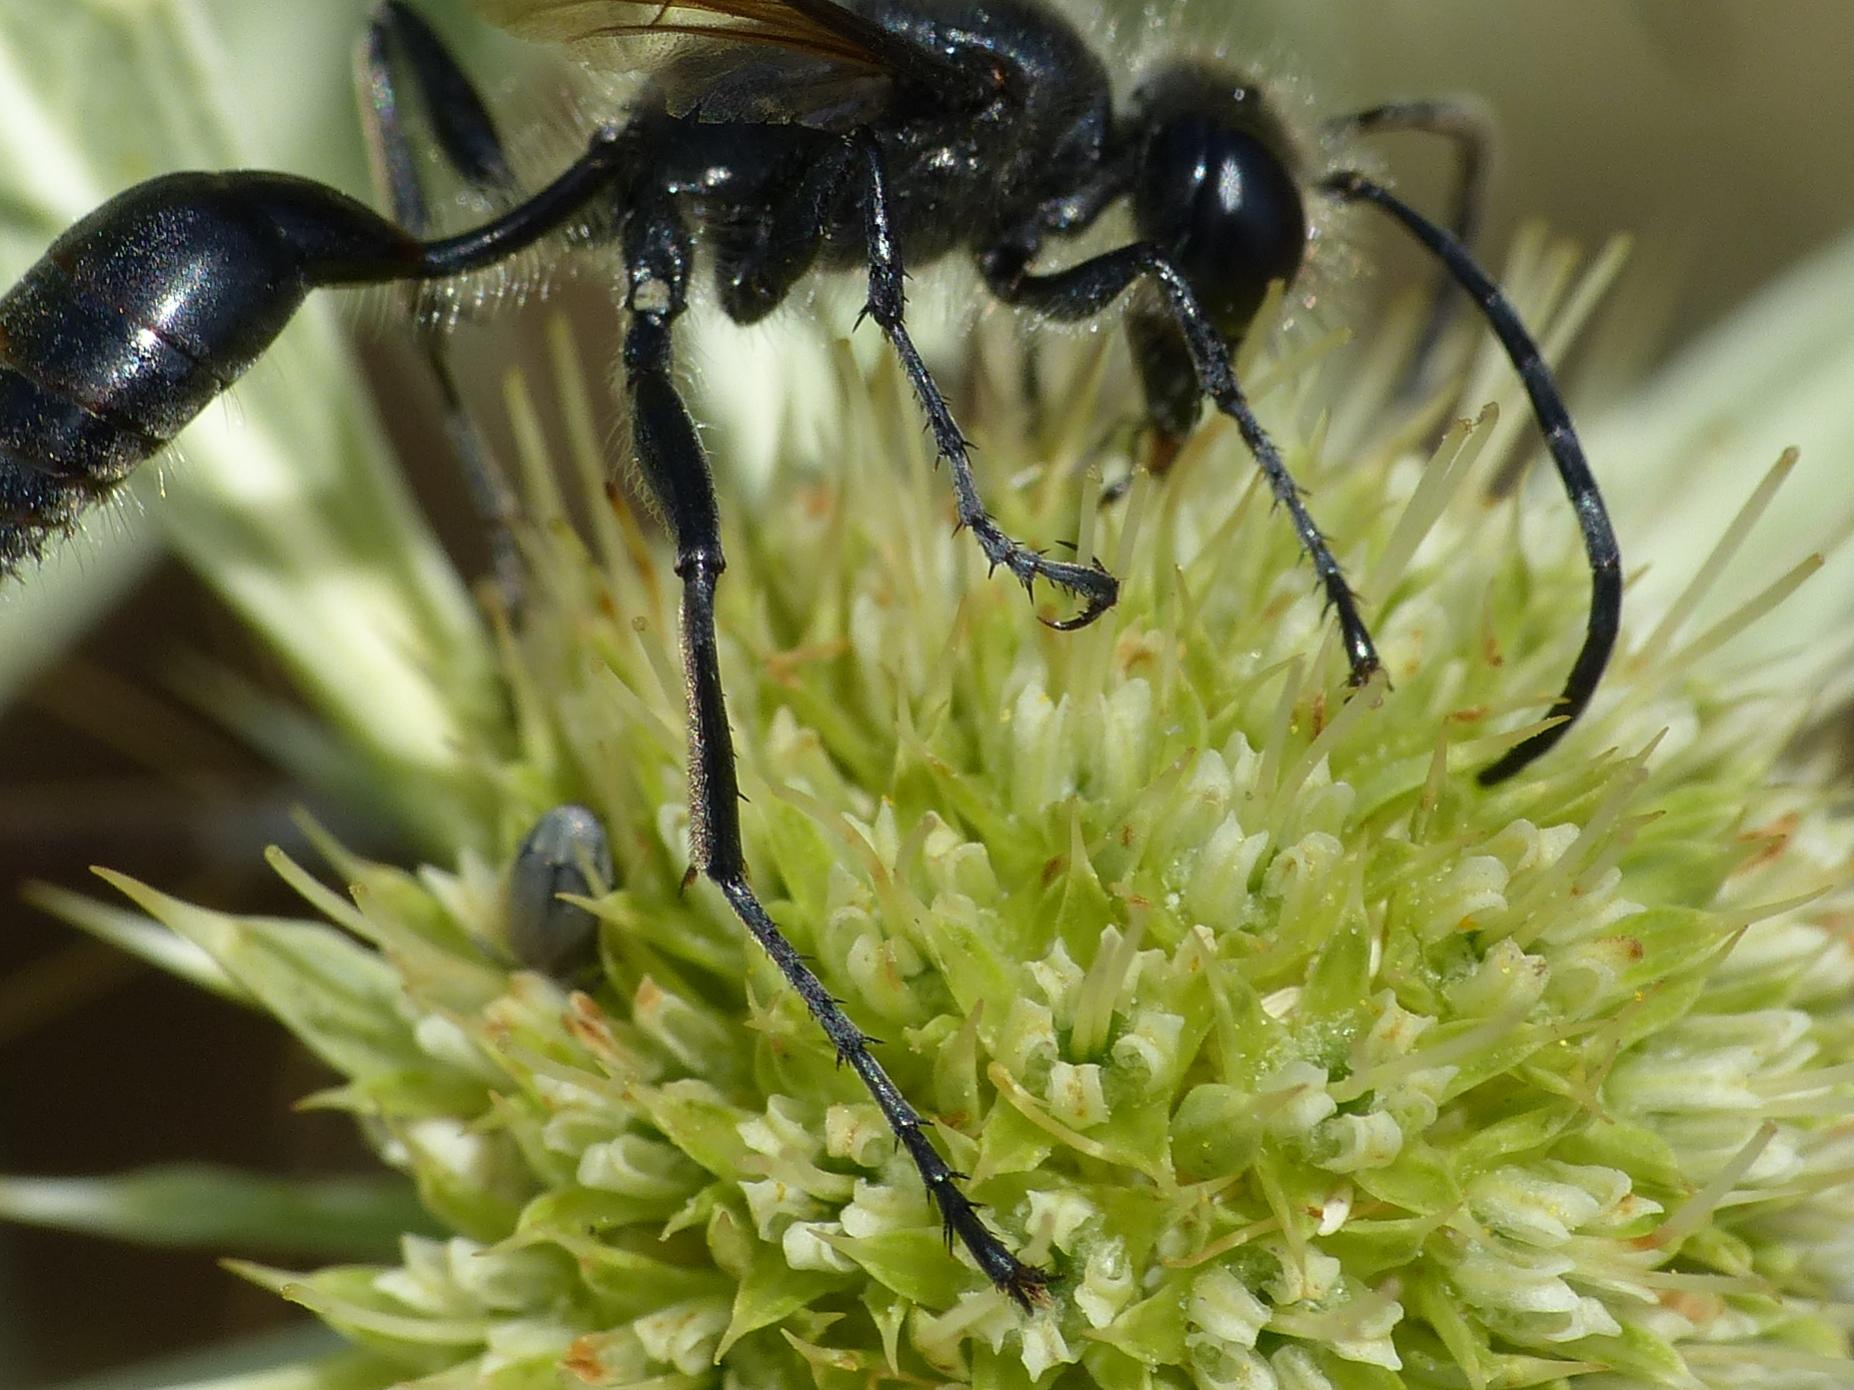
(781, 135)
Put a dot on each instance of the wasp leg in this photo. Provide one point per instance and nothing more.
(1465, 123)
(1084, 290)
(398, 41)
(1092, 584)
(1567, 454)
(657, 254)
(454, 112)
(755, 277)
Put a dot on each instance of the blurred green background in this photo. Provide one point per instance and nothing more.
(1716, 129)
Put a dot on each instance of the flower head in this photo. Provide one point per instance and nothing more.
(1295, 1056)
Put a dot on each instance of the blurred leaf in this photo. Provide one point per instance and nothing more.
(139, 936)
(296, 1359)
(214, 1208)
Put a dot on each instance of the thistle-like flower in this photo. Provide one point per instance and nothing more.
(1296, 1057)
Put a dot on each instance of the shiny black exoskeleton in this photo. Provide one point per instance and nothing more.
(142, 313)
(151, 306)
(777, 135)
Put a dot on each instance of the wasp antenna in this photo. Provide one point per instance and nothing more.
(1566, 453)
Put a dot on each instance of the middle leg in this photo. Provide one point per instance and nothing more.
(755, 280)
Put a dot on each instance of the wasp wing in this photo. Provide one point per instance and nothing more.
(814, 62)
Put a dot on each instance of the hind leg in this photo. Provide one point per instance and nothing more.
(401, 57)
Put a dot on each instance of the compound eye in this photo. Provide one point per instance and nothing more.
(1224, 205)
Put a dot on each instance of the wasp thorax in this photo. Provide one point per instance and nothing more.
(1214, 189)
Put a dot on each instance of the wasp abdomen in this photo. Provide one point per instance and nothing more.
(143, 312)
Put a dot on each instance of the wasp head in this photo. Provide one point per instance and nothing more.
(1214, 189)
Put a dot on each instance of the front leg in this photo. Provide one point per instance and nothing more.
(657, 254)
(1086, 289)
(1567, 455)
